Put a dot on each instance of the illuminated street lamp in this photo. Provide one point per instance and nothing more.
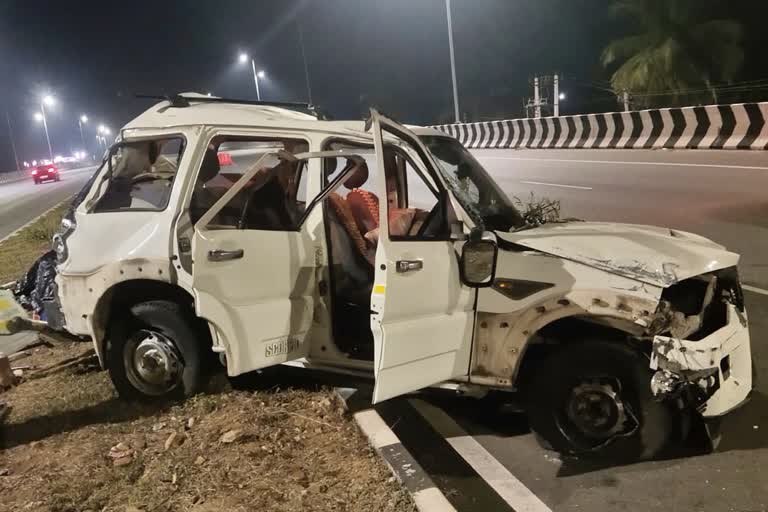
(40, 116)
(243, 58)
(80, 122)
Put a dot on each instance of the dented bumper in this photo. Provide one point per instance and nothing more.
(718, 367)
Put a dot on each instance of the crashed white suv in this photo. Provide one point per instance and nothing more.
(268, 235)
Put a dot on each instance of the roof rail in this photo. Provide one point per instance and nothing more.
(182, 101)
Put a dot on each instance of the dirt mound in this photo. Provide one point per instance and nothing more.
(68, 444)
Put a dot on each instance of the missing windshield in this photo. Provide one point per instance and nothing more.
(140, 175)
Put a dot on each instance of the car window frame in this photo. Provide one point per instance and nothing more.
(262, 136)
(442, 193)
(105, 169)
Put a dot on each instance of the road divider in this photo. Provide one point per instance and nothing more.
(424, 492)
(739, 126)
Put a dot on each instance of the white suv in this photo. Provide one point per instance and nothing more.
(268, 235)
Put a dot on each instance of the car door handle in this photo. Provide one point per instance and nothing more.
(409, 266)
(221, 255)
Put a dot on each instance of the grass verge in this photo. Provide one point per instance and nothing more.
(69, 444)
(19, 251)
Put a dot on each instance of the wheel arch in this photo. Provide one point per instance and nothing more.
(118, 299)
(502, 351)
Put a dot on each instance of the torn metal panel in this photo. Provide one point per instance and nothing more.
(501, 339)
(83, 296)
(645, 253)
(725, 354)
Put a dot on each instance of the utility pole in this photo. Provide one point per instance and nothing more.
(453, 62)
(625, 98)
(45, 126)
(556, 96)
(304, 58)
(256, 79)
(13, 143)
(536, 98)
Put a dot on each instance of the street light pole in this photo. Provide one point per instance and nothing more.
(244, 57)
(82, 119)
(13, 142)
(256, 79)
(304, 58)
(453, 62)
(45, 125)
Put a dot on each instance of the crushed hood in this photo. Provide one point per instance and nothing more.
(654, 255)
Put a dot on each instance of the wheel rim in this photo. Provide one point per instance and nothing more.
(594, 413)
(152, 362)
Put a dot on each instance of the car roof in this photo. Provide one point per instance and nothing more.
(166, 115)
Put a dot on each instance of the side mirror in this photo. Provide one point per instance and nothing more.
(478, 260)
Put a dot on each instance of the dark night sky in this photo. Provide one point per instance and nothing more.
(95, 55)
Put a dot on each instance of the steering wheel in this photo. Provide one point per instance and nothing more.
(432, 216)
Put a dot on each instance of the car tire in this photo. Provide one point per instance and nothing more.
(156, 353)
(57, 178)
(36, 182)
(593, 399)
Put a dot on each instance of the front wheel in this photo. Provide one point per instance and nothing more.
(593, 399)
(155, 353)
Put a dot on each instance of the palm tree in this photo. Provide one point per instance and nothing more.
(675, 52)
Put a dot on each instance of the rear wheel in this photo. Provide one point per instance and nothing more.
(593, 399)
(155, 353)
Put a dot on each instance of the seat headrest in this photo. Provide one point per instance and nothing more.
(210, 166)
(358, 179)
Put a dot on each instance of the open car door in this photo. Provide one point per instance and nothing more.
(257, 286)
(422, 315)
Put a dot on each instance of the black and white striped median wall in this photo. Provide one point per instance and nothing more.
(741, 126)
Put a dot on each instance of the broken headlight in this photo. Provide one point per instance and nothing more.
(59, 242)
(695, 308)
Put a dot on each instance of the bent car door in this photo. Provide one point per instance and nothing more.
(422, 316)
(254, 260)
(253, 271)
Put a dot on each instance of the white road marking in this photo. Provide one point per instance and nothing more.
(512, 490)
(660, 164)
(754, 289)
(555, 185)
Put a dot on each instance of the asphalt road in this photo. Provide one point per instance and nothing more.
(485, 459)
(722, 195)
(22, 201)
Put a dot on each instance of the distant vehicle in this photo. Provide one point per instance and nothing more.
(45, 172)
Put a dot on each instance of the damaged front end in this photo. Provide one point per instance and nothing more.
(701, 349)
